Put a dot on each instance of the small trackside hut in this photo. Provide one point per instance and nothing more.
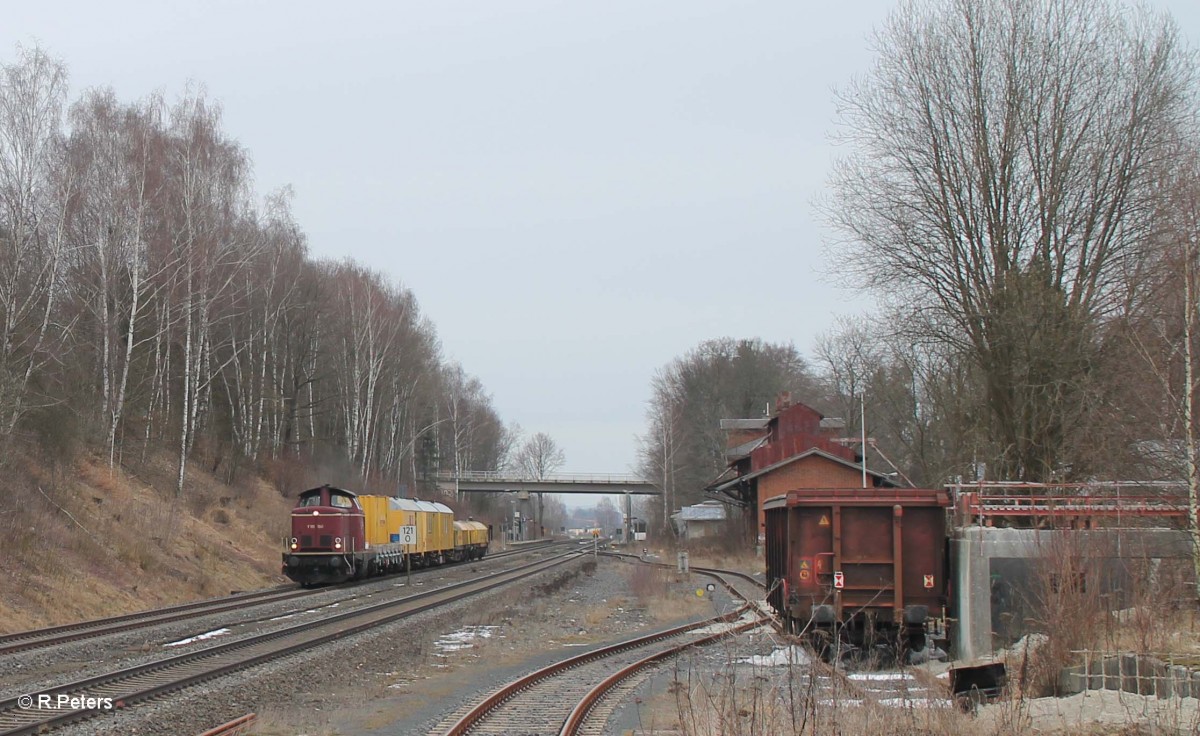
(856, 568)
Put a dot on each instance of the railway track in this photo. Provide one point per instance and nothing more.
(578, 695)
(723, 575)
(65, 704)
(563, 697)
(56, 635)
(567, 692)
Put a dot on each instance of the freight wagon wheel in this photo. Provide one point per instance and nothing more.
(915, 647)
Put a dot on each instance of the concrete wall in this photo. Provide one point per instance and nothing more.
(992, 566)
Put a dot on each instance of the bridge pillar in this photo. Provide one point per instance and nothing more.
(995, 570)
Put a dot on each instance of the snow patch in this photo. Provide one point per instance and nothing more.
(914, 703)
(778, 658)
(198, 637)
(881, 676)
(463, 639)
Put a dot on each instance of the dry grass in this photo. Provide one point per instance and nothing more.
(727, 553)
(665, 594)
(740, 699)
(98, 541)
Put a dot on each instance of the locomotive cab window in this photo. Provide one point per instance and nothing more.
(337, 500)
(312, 500)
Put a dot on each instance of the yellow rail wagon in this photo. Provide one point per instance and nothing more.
(470, 540)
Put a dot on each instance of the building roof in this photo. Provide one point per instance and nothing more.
(760, 423)
(707, 511)
(744, 449)
(788, 461)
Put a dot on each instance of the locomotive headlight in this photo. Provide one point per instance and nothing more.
(294, 545)
(337, 543)
(316, 513)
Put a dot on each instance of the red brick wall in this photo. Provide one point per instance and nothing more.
(795, 430)
(811, 472)
(737, 437)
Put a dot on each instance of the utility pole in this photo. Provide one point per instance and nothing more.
(863, 427)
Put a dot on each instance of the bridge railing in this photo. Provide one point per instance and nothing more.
(995, 503)
(512, 477)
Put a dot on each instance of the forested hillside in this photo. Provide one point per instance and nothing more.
(173, 361)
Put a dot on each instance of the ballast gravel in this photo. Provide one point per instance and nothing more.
(406, 677)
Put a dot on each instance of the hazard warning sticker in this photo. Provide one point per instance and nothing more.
(839, 580)
(928, 581)
(824, 520)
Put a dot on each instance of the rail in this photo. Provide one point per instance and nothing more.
(575, 720)
(153, 679)
(579, 712)
(66, 633)
(501, 476)
(234, 727)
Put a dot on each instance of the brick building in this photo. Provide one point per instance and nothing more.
(798, 447)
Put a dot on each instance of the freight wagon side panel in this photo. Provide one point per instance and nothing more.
(401, 512)
(444, 527)
(924, 578)
(375, 511)
(888, 547)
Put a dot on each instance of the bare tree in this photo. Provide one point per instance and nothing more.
(145, 293)
(539, 456)
(684, 446)
(35, 186)
(1004, 169)
(849, 355)
(608, 517)
(1164, 338)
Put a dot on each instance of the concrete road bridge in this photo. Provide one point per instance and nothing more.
(499, 481)
(490, 481)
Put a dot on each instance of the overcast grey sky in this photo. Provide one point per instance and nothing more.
(576, 192)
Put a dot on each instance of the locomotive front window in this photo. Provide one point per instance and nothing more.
(339, 501)
(313, 500)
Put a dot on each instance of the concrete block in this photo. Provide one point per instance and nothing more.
(1112, 673)
(1072, 680)
(1181, 681)
(1176, 683)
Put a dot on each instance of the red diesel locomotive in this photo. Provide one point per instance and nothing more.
(338, 535)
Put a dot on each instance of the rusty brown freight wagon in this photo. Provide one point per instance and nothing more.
(859, 568)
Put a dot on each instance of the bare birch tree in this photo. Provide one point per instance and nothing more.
(208, 189)
(35, 186)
